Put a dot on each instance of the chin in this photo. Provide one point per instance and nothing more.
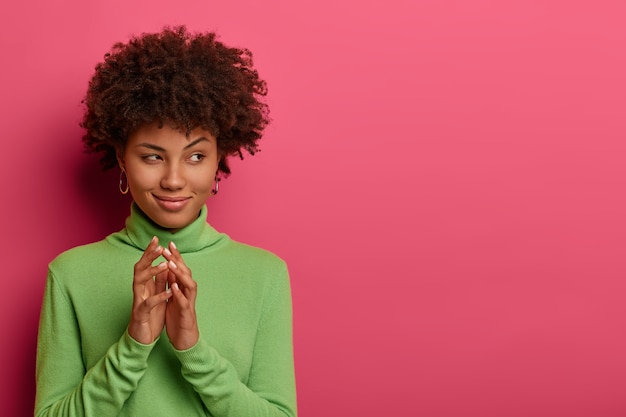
(169, 223)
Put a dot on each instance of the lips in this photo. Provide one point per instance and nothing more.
(172, 203)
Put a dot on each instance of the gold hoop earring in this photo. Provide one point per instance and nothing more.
(123, 175)
(216, 186)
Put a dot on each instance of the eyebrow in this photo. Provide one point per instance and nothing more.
(160, 149)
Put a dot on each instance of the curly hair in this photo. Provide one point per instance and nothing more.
(186, 80)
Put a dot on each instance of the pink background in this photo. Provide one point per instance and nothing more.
(444, 178)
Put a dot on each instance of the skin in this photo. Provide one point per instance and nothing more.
(170, 176)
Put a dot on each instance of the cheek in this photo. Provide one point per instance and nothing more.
(201, 178)
(141, 178)
(203, 183)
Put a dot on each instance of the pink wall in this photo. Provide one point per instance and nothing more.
(445, 179)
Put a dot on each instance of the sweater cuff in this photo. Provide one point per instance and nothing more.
(197, 357)
(132, 353)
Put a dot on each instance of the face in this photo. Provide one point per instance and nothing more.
(169, 174)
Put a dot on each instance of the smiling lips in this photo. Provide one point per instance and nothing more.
(172, 203)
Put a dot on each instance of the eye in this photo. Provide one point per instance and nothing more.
(196, 157)
(151, 158)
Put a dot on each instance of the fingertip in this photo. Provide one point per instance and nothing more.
(173, 245)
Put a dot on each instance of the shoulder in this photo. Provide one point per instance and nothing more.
(254, 254)
(254, 274)
(83, 258)
(76, 253)
(252, 257)
(233, 263)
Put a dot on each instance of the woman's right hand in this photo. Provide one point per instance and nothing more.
(149, 296)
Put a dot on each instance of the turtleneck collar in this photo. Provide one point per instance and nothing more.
(191, 238)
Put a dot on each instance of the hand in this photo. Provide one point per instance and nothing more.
(149, 296)
(180, 315)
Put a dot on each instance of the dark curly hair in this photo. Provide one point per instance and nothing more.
(186, 80)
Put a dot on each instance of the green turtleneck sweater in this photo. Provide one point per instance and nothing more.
(88, 365)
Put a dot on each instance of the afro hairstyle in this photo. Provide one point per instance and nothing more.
(178, 78)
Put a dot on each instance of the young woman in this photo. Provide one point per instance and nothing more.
(168, 317)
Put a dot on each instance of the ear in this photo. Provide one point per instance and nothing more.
(221, 163)
(120, 158)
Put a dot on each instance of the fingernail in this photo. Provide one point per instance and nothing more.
(167, 252)
(173, 245)
(154, 239)
(161, 265)
(175, 285)
(173, 266)
(168, 291)
(157, 249)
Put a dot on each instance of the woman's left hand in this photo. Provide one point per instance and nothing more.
(181, 325)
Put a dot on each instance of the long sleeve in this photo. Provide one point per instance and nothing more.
(64, 386)
(88, 365)
(270, 390)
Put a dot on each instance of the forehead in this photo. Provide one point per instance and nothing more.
(167, 137)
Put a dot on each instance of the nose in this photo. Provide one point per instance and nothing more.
(173, 178)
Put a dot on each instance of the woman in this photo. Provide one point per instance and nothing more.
(206, 329)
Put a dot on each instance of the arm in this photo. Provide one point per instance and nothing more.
(271, 386)
(64, 387)
(270, 390)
